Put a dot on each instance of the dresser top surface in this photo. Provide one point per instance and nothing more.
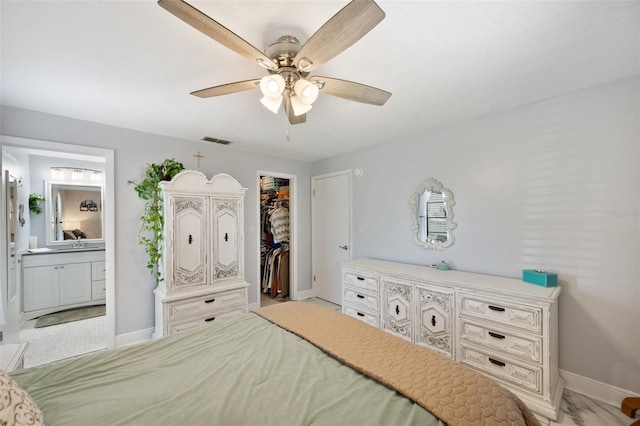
(467, 280)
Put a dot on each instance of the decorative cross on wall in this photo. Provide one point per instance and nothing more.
(198, 156)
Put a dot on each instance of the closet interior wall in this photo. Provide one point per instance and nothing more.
(275, 233)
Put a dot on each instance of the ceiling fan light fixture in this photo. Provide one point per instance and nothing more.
(306, 91)
(272, 86)
(299, 108)
(272, 105)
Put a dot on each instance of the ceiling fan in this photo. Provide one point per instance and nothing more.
(289, 62)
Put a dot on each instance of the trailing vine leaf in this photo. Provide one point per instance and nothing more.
(152, 220)
(34, 203)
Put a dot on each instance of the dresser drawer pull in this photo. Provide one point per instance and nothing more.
(360, 278)
(359, 296)
(210, 300)
(496, 362)
(360, 314)
(210, 319)
(496, 308)
(496, 335)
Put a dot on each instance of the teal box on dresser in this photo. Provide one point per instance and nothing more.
(541, 278)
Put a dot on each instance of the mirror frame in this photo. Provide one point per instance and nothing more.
(432, 185)
(49, 211)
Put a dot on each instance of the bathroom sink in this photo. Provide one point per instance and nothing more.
(85, 248)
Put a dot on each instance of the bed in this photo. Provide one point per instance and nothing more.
(293, 363)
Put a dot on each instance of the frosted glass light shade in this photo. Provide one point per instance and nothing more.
(306, 91)
(272, 86)
(272, 104)
(298, 107)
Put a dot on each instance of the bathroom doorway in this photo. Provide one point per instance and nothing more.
(29, 160)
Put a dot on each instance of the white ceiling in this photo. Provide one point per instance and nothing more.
(132, 64)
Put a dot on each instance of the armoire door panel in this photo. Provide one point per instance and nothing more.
(190, 241)
(226, 253)
(227, 242)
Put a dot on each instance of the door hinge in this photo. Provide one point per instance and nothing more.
(314, 192)
(314, 278)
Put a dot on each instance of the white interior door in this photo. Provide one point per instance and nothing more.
(330, 233)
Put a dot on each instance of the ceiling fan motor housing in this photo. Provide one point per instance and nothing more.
(282, 52)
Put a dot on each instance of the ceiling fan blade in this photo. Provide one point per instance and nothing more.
(216, 31)
(352, 91)
(344, 28)
(288, 109)
(225, 89)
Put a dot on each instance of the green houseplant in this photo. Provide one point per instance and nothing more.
(34, 203)
(152, 221)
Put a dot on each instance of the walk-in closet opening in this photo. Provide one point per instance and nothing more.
(276, 232)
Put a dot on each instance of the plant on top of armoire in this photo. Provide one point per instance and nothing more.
(152, 221)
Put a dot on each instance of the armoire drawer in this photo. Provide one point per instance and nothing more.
(178, 326)
(360, 299)
(361, 281)
(506, 313)
(520, 374)
(526, 346)
(369, 318)
(204, 305)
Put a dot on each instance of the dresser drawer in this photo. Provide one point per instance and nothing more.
(98, 270)
(361, 281)
(176, 327)
(507, 313)
(371, 319)
(205, 305)
(360, 299)
(524, 346)
(520, 374)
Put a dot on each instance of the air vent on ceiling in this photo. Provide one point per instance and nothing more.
(216, 140)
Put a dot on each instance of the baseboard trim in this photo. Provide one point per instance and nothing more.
(600, 391)
(128, 339)
(304, 294)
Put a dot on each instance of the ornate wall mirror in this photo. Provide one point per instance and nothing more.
(433, 223)
(73, 211)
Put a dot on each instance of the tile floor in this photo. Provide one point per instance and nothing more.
(58, 342)
(73, 339)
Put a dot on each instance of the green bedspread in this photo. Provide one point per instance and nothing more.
(241, 371)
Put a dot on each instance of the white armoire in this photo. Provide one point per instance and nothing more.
(202, 262)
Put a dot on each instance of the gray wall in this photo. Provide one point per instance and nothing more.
(554, 185)
(133, 151)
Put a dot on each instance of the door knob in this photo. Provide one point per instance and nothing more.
(344, 247)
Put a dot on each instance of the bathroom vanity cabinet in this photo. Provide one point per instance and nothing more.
(58, 280)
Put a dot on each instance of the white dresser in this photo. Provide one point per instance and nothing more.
(203, 255)
(503, 327)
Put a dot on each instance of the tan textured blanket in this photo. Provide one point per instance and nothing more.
(454, 393)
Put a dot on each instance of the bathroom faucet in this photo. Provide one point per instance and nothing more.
(78, 243)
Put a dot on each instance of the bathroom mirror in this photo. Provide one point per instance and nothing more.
(73, 211)
(432, 208)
